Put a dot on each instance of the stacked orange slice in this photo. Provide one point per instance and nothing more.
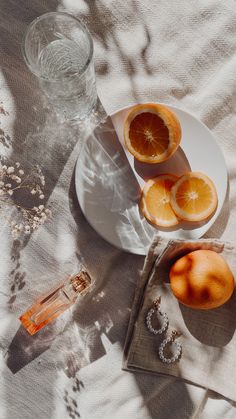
(167, 199)
(155, 201)
(194, 197)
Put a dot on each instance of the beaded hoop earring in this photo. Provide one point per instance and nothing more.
(156, 309)
(169, 341)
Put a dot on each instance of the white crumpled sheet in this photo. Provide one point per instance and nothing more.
(179, 52)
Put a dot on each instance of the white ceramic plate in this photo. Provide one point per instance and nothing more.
(108, 181)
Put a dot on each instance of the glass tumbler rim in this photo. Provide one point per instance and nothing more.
(68, 15)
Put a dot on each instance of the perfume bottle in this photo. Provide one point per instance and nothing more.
(55, 302)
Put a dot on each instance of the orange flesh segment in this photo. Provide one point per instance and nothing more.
(194, 196)
(148, 134)
(155, 201)
(158, 200)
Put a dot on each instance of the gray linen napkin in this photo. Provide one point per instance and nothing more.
(208, 339)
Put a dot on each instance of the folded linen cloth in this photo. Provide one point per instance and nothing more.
(208, 337)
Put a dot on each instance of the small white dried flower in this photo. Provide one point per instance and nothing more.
(39, 190)
(42, 178)
(33, 191)
(41, 207)
(8, 185)
(21, 172)
(4, 167)
(10, 170)
(16, 178)
(10, 192)
(41, 196)
(1, 183)
(48, 212)
(18, 227)
(17, 164)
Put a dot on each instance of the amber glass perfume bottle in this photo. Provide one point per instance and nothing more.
(55, 302)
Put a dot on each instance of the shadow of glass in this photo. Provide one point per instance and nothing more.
(107, 158)
(107, 177)
(50, 146)
(24, 348)
(39, 136)
(22, 84)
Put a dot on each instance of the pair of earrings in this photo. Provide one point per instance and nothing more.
(167, 341)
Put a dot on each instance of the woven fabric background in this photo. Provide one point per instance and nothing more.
(179, 52)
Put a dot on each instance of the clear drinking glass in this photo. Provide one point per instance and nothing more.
(58, 49)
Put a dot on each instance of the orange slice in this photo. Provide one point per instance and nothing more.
(155, 201)
(194, 197)
(152, 132)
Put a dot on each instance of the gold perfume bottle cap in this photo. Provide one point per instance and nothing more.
(81, 282)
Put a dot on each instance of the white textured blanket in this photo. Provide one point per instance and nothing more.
(180, 52)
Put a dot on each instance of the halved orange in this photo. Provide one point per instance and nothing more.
(155, 201)
(152, 132)
(193, 197)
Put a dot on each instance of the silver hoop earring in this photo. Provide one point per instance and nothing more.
(156, 309)
(169, 341)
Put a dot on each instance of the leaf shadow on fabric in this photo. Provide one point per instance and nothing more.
(101, 22)
(18, 277)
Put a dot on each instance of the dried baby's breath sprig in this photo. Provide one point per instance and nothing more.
(35, 217)
(13, 183)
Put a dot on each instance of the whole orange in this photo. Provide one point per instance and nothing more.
(202, 279)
